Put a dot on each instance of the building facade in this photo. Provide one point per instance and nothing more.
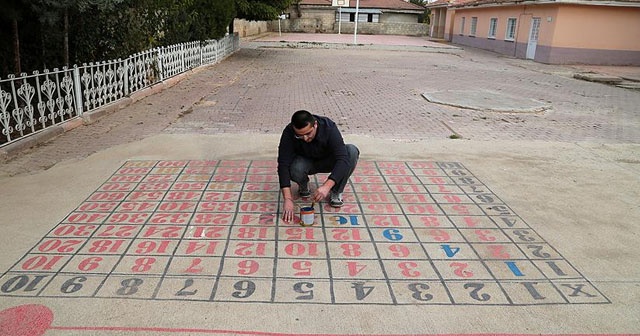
(554, 32)
(384, 17)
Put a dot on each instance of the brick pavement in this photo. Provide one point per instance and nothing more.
(368, 91)
(379, 94)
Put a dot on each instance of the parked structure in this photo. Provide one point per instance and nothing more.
(554, 32)
(380, 17)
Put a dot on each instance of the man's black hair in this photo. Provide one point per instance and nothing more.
(301, 119)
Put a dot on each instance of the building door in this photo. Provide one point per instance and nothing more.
(533, 38)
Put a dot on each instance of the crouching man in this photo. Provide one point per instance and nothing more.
(312, 144)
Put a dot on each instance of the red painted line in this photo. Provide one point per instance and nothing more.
(261, 333)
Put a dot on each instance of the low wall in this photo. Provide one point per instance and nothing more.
(246, 28)
(312, 25)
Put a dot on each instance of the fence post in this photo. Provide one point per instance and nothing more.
(126, 75)
(159, 65)
(182, 57)
(77, 92)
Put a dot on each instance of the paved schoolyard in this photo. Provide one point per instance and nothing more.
(526, 224)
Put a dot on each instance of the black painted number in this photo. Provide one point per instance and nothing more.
(304, 288)
(129, 286)
(23, 282)
(362, 291)
(475, 292)
(420, 291)
(244, 289)
(184, 292)
(73, 285)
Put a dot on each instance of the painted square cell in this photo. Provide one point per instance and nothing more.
(186, 288)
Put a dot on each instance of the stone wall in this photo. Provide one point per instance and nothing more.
(398, 18)
(389, 28)
(324, 25)
(246, 28)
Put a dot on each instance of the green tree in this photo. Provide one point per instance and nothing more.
(190, 20)
(176, 23)
(212, 18)
(51, 14)
(108, 29)
(10, 16)
(62, 22)
(37, 34)
(256, 10)
(424, 17)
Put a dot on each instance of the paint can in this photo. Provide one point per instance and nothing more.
(307, 216)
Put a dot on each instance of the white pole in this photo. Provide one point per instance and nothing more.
(279, 27)
(340, 19)
(355, 28)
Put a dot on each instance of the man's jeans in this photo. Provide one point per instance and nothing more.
(302, 167)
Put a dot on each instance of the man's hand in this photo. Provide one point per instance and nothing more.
(287, 216)
(321, 193)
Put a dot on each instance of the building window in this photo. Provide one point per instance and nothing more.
(462, 25)
(362, 17)
(344, 17)
(493, 25)
(511, 29)
(474, 25)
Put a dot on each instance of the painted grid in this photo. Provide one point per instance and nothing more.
(410, 233)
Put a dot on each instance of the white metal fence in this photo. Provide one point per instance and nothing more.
(32, 103)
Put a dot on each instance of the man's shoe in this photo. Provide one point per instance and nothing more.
(303, 191)
(336, 199)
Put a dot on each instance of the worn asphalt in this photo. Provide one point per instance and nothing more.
(562, 152)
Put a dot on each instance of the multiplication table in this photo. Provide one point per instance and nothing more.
(410, 233)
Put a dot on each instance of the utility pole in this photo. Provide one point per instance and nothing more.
(355, 27)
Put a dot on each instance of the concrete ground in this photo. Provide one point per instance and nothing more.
(569, 167)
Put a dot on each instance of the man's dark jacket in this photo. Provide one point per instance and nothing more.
(327, 146)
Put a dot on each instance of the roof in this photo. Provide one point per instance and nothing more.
(383, 4)
(316, 2)
(446, 3)
(469, 3)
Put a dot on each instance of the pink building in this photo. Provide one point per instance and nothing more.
(547, 31)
